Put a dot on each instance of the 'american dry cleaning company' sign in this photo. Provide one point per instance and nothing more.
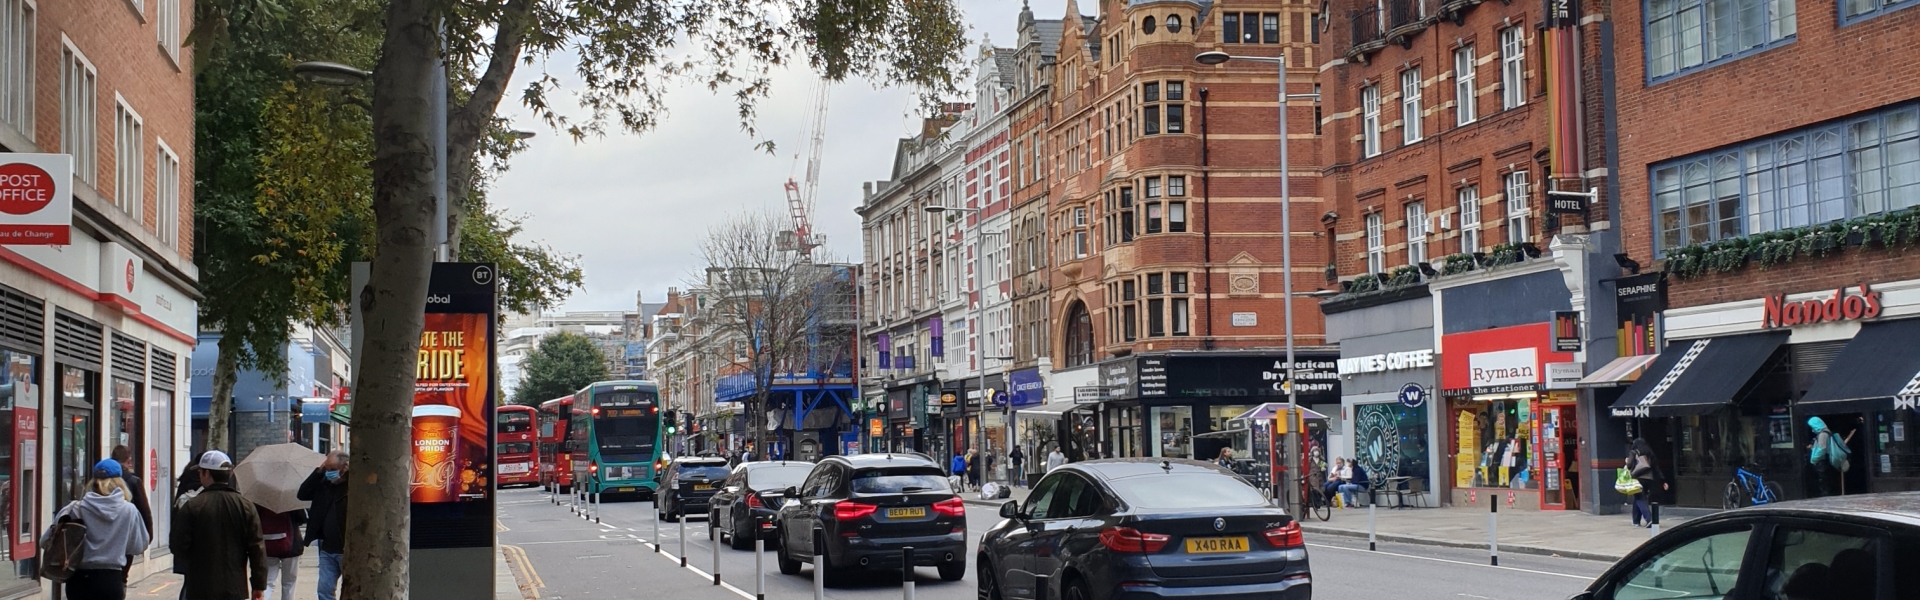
(1840, 307)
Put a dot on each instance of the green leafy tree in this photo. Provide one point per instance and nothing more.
(564, 363)
(626, 54)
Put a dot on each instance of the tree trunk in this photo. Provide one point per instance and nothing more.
(220, 408)
(393, 305)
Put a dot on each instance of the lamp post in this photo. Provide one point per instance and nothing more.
(979, 319)
(1286, 232)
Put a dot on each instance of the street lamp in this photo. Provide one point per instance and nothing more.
(979, 318)
(1286, 232)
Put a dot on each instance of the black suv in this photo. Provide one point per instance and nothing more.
(860, 511)
(687, 484)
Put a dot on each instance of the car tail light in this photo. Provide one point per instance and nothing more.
(753, 501)
(952, 507)
(847, 510)
(1287, 536)
(1128, 539)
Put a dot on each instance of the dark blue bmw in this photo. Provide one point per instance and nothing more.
(1141, 529)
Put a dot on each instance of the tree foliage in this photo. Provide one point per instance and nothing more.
(564, 363)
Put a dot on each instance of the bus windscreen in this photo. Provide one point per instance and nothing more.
(625, 439)
(513, 421)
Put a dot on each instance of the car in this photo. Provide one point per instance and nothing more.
(1142, 528)
(860, 512)
(747, 500)
(686, 484)
(1861, 547)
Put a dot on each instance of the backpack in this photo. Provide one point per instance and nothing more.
(276, 531)
(60, 549)
(1624, 482)
(1837, 453)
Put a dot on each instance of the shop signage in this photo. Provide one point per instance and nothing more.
(876, 427)
(1391, 361)
(1027, 387)
(1840, 307)
(1230, 376)
(36, 199)
(1564, 376)
(1089, 394)
(1245, 319)
(1412, 395)
(1503, 368)
(1118, 377)
(1153, 376)
(1498, 361)
(948, 398)
(1562, 13)
(1566, 331)
(1638, 301)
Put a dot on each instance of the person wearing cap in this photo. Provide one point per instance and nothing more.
(219, 533)
(114, 532)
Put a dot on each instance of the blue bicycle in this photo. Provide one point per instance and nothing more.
(1750, 489)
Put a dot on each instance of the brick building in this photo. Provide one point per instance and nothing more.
(96, 330)
(1760, 168)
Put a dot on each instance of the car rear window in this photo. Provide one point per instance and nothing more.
(778, 478)
(900, 481)
(708, 471)
(1187, 490)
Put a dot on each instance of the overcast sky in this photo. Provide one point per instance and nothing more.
(634, 208)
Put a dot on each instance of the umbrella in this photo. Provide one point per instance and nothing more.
(271, 475)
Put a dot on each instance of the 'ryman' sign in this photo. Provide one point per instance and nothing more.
(1391, 361)
(1841, 307)
(1507, 370)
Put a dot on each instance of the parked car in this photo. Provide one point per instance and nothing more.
(1143, 528)
(859, 512)
(1847, 547)
(686, 484)
(747, 500)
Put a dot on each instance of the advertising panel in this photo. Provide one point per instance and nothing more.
(452, 421)
(1499, 360)
(1638, 301)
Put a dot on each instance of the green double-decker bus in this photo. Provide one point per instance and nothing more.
(616, 437)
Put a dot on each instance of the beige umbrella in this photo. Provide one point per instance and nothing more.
(271, 475)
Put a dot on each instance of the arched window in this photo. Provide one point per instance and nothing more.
(1173, 23)
(1146, 25)
(1078, 335)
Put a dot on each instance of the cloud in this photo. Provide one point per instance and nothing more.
(635, 208)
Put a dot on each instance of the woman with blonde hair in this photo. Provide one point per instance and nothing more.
(114, 532)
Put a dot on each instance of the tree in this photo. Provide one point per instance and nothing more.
(628, 54)
(563, 364)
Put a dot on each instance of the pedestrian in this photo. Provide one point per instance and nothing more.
(1829, 459)
(1644, 467)
(959, 468)
(113, 534)
(221, 532)
(136, 490)
(280, 532)
(1337, 475)
(974, 468)
(326, 488)
(1225, 460)
(1358, 482)
(1016, 466)
(188, 487)
(1055, 459)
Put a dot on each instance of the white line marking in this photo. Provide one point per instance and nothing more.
(709, 577)
(1457, 562)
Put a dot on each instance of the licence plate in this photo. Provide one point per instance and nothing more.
(512, 468)
(1215, 545)
(702, 486)
(906, 513)
(623, 490)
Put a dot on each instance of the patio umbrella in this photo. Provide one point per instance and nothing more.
(271, 475)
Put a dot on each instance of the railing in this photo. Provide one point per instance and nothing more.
(1401, 13)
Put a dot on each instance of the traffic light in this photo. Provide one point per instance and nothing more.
(673, 422)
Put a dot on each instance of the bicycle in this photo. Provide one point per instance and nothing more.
(1316, 501)
(1750, 489)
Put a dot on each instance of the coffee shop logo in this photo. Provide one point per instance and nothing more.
(1840, 307)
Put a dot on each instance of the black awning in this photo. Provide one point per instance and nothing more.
(1881, 365)
(1694, 377)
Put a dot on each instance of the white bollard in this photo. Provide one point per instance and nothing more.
(596, 507)
(1370, 538)
(656, 523)
(683, 538)
(819, 567)
(759, 572)
(715, 542)
(1493, 530)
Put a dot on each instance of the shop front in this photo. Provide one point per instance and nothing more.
(1508, 432)
(1164, 405)
(1388, 384)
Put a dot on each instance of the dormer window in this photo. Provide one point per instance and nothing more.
(1173, 23)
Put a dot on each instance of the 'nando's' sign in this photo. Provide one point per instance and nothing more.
(1841, 307)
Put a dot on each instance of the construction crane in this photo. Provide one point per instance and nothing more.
(800, 196)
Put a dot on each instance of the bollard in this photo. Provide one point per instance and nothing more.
(1493, 530)
(715, 542)
(1040, 587)
(759, 572)
(596, 507)
(819, 565)
(1653, 515)
(906, 573)
(1371, 546)
(683, 538)
(656, 523)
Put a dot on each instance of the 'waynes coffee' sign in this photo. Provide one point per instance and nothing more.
(1780, 312)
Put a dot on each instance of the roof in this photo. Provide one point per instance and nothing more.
(1899, 507)
(1003, 59)
(887, 459)
(1116, 468)
(1047, 34)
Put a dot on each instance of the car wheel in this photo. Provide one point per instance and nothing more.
(788, 566)
(1075, 590)
(953, 571)
(989, 585)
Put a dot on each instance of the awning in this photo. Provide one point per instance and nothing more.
(1693, 377)
(1878, 370)
(1621, 371)
(1050, 409)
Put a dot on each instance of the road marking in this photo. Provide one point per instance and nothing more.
(517, 557)
(709, 577)
(499, 525)
(1457, 562)
(562, 542)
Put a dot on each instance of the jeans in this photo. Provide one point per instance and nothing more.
(283, 570)
(329, 574)
(1642, 504)
(1350, 492)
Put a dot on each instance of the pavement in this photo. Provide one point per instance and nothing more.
(1568, 534)
(166, 586)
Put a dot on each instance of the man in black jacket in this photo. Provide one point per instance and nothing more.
(220, 532)
(326, 488)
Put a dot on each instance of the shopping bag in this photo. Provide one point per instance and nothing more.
(1625, 483)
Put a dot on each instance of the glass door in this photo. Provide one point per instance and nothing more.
(74, 433)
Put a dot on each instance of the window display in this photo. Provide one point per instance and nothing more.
(19, 401)
(1390, 440)
(1172, 431)
(1493, 443)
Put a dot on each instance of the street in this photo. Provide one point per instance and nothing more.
(558, 555)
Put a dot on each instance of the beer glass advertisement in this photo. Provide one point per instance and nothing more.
(451, 461)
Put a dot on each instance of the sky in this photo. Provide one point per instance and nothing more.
(635, 208)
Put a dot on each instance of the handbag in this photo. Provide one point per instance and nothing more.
(1624, 483)
(60, 549)
(1642, 468)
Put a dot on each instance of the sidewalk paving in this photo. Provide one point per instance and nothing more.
(1571, 534)
(166, 586)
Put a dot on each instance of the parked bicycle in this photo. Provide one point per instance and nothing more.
(1748, 488)
(1315, 499)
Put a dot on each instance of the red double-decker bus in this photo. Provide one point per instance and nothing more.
(556, 464)
(516, 453)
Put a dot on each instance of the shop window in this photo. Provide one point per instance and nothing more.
(19, 396)
(1171, 433)
(1493, 443)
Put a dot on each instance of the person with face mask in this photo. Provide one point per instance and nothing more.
(326, 488)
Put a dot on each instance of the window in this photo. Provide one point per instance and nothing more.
(16, 65)
(1173, 24)
(1820, 564)
(1516, 197)
(1250, 28)
(166, 195)
(79, 98)
(1410, 105)
(1130, 312)
(1464, 96)
(1416, 233)
(1376, 245)
(1153, 106)
(1080, 245)
(1177, 186)
(1469, 197)
(1857, 8)
(1513, 67)
(1705, 567)
(167, 22)
(1686, 34)
(1176, 111)
(1176, 217)
(1146, 25)
(1155, 219)
(128, 177)
(1370, 121)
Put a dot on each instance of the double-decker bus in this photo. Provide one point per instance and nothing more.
(615, 437)
(515, 456)
(556, 463)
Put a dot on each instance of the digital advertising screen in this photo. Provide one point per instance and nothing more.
(451, 489)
